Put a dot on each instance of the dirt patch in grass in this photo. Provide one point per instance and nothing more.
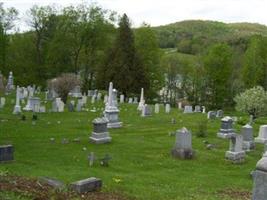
(33, 189)
(235, 194)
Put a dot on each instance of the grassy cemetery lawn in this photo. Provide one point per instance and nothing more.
(141, 166)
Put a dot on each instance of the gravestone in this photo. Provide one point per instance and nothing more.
(248, 140)
(142, 101)
(180, 105)
(111, 111)
(146, 112)
(70, 107)
(42, 109)
(211, 115)
(60, 106)
(167, 108)
(105, 99)
(226, 130)
(76, 92)
(203, 109)
(236, 154)
(130, 100)
(54, 106)
(197, 109)
(91, 159)
(100, 132)
(93, 99)
(86, 185)
(99, 96)
(219, 114)
(183, 145)
(135, 101)
(54, 183)
(157, 108)
(121, 98)
(260, 179)
(262, 138)
(10, 83)
(2, 102)
(6, 153)
(79, 107)
(188, 109)
(17, 108)
(114, 99)
(84, 99)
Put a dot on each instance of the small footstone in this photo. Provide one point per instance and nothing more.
(86, 185)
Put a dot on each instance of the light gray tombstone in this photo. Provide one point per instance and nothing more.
(180, 105)
(86, 185)
(17, 108)
(219, 114)
(60, 106)
(42, 109)
(262, 137)
(84, 99)
(99, 96)
(10, 83)
(226, 130)
(236, 154)
(2, 102)
(100, 134)
(188, 109)
(79, 107)
(111, 111)
(93, 99)
(146, 112)
(156, 108)
(197, 109)
(114, 95)
(121, 98)
(260, 179)
(105, 99)
(203, 109)
(142, 101)
(35, 104)
(130, 100)
(76, 92)
(248, 140)
(183, 145)
(54, 106)
(167, 108)
(211, 115)
(135, 101)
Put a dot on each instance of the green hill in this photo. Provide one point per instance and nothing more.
(194, 36)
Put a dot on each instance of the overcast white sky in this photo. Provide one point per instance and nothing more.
(162, 12)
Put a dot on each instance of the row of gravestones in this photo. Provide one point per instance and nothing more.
(189, 109)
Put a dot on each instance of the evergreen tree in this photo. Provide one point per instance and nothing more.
(123, 66)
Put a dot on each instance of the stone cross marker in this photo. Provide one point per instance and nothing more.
(262, 138)
(183, 145)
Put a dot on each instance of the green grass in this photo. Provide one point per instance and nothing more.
(140, 154)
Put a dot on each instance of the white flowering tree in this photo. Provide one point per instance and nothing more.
(253, 101)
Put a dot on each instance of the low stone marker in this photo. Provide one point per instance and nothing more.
(52, 182)
(248, 140)
(146, 112)
(226, 130)
(100, 132)
(188, 109)
(236, 154)
(262, 138)
(6, 153)
(260, 179)
(197, 109)
(183, 145)
(86, 185)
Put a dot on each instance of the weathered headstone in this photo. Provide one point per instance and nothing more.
(17, 108)
(135, 101)
(2, 102)
(10, 83)
(84, 99)
(157, 108)
(146, 112)
(70, 107)
(183, 145)
(248, 140)
(6, 153)
(211, 115)
(93, 99)
(99, 96)
(130, 100)
(142, 101)
(42, 109)
(260, 179)
(197, 109)
(100, 132)
(121, 98)
(262, 138)
(188, 109)
(226, 130)
(180, 105)
(86, 185)
(236, 154)
(167, 108)
(203, 109)
(219, 114)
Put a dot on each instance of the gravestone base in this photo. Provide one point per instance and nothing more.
(225, 134)
(235, 157)
(248, 145)
(17, 110)
(113, 119)
(6, 153)
(260, 140)
(182, 153)
(114, 124)
(100, 138)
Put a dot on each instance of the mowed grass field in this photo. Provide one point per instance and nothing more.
(141, 166)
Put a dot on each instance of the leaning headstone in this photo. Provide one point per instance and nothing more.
(157, 108)
(226, 130)
(167, 108)
(211, 115)
(146, 112)
(197, 109)
(86, 185)
(260, 179)
(100, 132)
(183, 145)
(248, 140)
(219, 114)
(6, 153)
(236, 154)
(262, 138)
(188, 109)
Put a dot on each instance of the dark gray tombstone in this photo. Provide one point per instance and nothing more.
(260, 180)
(226, 130)
(183, 145)
(86, 185)
(248, 140)
(236, 154)
(6, 153)
(100, 132)
(71, 107)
